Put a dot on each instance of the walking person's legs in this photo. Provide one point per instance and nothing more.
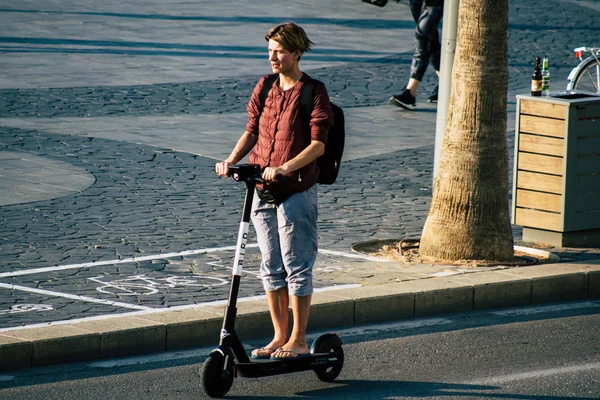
(435, 49)
(416, 6)
(428, 22)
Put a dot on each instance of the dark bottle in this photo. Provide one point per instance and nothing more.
(536, 79)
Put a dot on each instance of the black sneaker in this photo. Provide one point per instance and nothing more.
(434, 95)
(404, 100)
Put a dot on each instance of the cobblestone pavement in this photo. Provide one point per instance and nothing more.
(142, 97)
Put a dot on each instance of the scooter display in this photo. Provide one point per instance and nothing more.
(223, 364)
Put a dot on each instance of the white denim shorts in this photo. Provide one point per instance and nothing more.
(287, 238)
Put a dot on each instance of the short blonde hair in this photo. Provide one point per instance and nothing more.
(291, 36)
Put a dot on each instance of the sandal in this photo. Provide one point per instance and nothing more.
(263, 353)
(294, 354)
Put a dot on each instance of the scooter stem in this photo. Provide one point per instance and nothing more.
(228, 332)
(242, 240)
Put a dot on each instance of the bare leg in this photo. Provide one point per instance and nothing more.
(297, 343)
(412, 86)
(278, 307)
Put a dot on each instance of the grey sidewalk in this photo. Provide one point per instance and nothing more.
(107, 138)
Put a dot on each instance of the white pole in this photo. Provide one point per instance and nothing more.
(449, 28)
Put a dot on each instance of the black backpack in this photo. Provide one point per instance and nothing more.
(329, 162)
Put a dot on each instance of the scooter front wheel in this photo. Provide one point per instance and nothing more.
(217, 374)
(332, 345)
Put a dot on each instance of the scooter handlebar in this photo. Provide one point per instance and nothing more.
(245, 172)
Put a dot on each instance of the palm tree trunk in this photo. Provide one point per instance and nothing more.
(469, 213)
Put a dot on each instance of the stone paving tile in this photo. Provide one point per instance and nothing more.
(18, 308)
(188, 205)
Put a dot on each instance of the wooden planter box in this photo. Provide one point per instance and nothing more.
(556, 185)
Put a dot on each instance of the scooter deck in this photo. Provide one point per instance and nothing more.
(268, 367)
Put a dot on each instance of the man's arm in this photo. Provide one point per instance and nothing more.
(313, 151)
(241, 149)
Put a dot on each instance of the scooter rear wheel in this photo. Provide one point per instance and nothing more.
(217, 377)
(328, 373)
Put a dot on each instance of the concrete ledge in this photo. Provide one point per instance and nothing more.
(126, 335)
(496, 290)
(380, 303)
(253, 321)
(59, 344)
(441, 296)
(188, 328)
(560, 288)
(15, 353)
(555, 282)
(594, 284)
(330, 311)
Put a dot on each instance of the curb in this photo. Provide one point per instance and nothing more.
(197, 327)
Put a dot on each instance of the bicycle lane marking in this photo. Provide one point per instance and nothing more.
(120, 261)
(169, 282)
(149, 286)
(72, 296)
(167, 256)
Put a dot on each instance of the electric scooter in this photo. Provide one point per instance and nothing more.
(326, 356)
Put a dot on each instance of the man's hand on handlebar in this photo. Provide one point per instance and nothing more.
(222, 169)
(271, 174)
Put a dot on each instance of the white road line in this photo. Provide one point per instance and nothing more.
(546, 308)
(535, 374)
(166, 255)
(149, 310)
(197, 354)
(72, 296)
(362, 330)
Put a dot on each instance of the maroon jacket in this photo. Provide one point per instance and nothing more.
(284, 131)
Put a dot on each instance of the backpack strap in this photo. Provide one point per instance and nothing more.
(267, 86)
(306, 97)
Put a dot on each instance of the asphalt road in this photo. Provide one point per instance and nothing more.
(546, 352)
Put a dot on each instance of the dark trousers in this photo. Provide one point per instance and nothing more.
(427, 40)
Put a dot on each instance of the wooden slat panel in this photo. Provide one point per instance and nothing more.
(542, 109)
(539, 200)
(538, 219)
(539, 182)
(542, 126)
(540, 163)
(541, 144)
